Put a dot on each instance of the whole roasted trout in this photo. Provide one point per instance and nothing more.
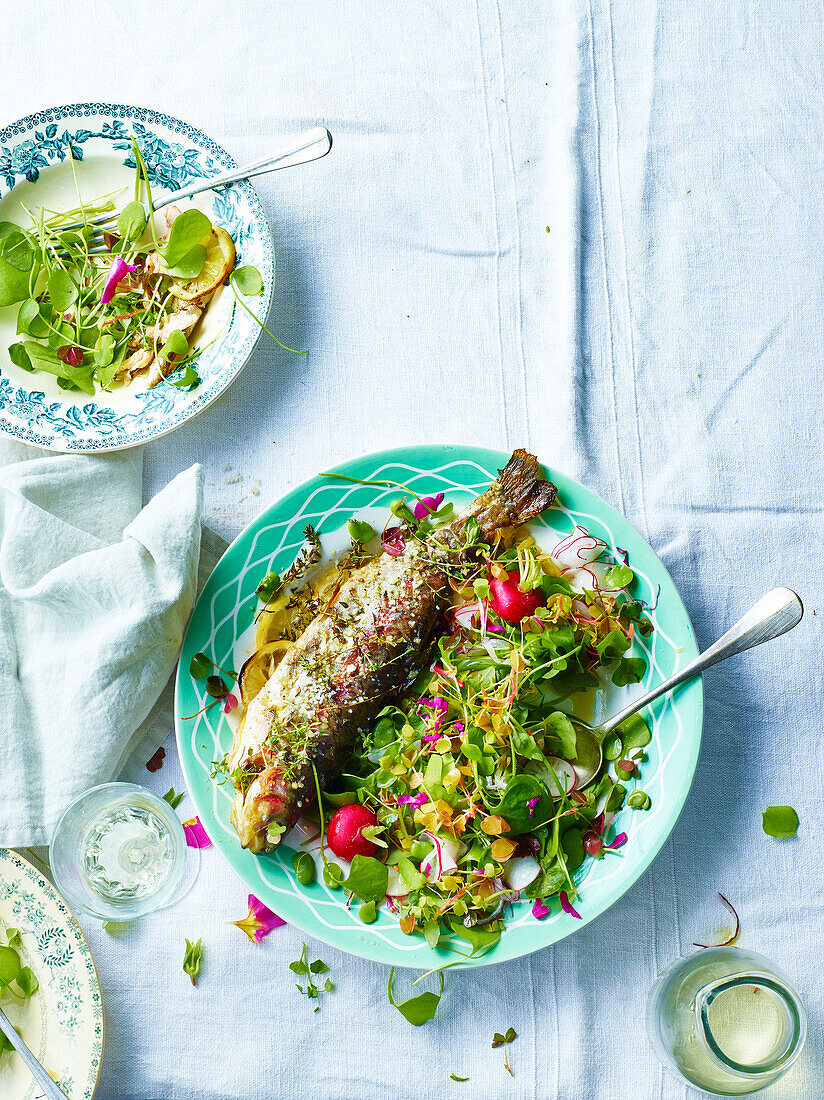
(361, 652)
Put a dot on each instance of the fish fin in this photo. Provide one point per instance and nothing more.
(518, 494)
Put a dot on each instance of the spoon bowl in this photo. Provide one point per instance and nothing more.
(773, 615)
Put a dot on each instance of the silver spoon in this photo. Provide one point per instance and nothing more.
(51, 1090)
(773, 615)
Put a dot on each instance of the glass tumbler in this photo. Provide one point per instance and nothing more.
(727, 1019)
(118, 852)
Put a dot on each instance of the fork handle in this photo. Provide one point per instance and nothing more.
(772, 616)
(306, 147)
(49, 1087)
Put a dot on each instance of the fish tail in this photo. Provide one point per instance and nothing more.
(518, 494)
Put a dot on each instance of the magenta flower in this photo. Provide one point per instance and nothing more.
(566, 905)
(392, 541)
(618, 842)
(532, 803)
(117, 269)
(539, 910)
(195, 834)
(259, 921)
(426, 506)
(230, 704)
(413, 800)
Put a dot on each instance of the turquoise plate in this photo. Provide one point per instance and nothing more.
(36, 157)
(226, 609)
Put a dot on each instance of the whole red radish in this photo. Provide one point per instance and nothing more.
(509, 602)
(344, 833)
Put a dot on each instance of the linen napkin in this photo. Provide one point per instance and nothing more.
(95, 593)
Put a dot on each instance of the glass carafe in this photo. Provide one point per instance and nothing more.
(727, 1019)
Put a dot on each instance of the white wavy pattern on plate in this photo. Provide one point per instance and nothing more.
(276, 544)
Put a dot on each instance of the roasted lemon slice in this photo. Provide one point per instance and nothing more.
(257, 670)
(220, 261)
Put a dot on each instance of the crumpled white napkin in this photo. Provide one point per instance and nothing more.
(95, 594)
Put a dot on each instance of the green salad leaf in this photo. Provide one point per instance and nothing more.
(417, 1010)
(780, 821)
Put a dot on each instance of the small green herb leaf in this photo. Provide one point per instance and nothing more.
(249, 280)
(417, 1010)
(132, 221)
(176, 344)
(62, 290)
(188, 229)
(456, 1078)
(173, 798)
(193, 959)
(367, 879)
(618, 576)
(27, 981)
(9, 966)
(189, 266)
(780, 821)
(187, 381)
(200, 666)
(20, 357)
(216, 688)
(30, 319)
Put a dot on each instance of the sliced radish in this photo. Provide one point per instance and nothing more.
(578, 549)
(520, 871)
(442, 859)
(395, 887)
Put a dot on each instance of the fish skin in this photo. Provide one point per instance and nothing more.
(360, 653)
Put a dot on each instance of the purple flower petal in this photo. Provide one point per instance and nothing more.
(413, 800)
(566, 905)
(618, 842)
(195, 834)
(230, 704)
(259, 921)
(427, 505)
(539, 910)
(117, 269)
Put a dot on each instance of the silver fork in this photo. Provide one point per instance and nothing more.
(309, 146)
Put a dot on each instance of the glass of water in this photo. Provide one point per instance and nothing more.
(727, 1019)
(118, 852)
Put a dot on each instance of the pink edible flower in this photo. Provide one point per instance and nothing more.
(494, 628)
(413, 800)
(117, 269)
(618, 842)
(392, 541)
(539, 910)
(259, 921)
(427, 505)
(532, 803)
(195, 834)
(230, 704)
(430, 737)
(566, 905)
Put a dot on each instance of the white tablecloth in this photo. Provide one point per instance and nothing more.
(591, 228)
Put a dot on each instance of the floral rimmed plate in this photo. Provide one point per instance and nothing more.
(226, 609)
(35, 170)
(62, 1024)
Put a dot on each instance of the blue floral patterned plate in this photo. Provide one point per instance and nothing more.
(36, 170)
(62, 1024)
